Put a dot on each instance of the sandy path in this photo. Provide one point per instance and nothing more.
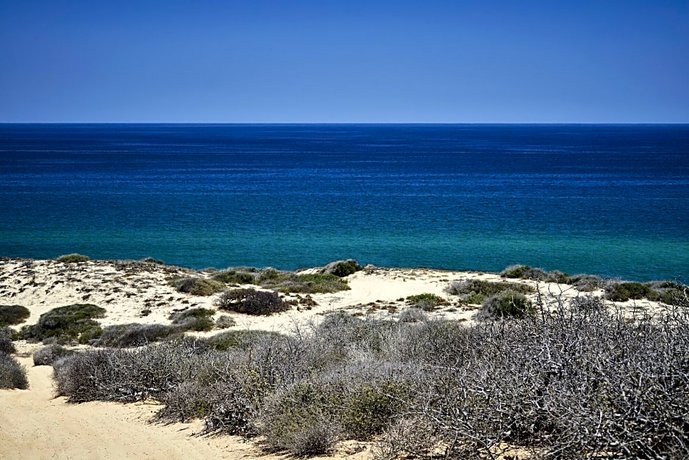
(34, 425)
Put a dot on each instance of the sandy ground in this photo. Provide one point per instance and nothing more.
(35, 425)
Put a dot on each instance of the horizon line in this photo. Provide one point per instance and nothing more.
(295, 123)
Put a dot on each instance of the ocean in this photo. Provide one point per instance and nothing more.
(612, 200)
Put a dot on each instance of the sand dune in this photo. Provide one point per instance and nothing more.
(35, 425)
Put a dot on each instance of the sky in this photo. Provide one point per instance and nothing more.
(255, 61)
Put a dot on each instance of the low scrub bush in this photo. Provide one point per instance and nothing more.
(66, 324)
(536, 274)
(73, 258)
(193, 319)
(198, 286)
(477, 291)
(236, 276)
(426, 301)
(134, 335)
(242, 339)
(507, 304)
(586, 283)
(342, 268)
(412, 315)
(251, 301)
(224, 322)
(13, 314)
(6, 345)
(304, 283)
(12, 374)
(621, 292)
(46, 356)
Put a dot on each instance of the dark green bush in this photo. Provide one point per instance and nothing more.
(46, 356)
(73, 258)
(621, 292)
(69, 323)
(507, 304)
(6, 336)
(251, 301)
(412, 315)
(426, 301)
(477, 291)
(12, 374)
(236, 276)
(13, 314)
(342, 268)
(134, 335)
(193, 319)
(198, 286)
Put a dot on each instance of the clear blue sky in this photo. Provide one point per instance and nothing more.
(344, 61)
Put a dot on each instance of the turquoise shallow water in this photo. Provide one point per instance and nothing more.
(605, 199)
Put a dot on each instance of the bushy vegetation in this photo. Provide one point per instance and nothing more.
(12, 374)
(6, 345)
(73, 258)
(304, 283)
(66, 324)
(193, 319)
(507, 304)
(47, 355)
(579, 382)
(237, 276)
(342, 268)
(224, 322)
(426, 301)
(584, 283)
(251, 301)
(135, 335)
(668, 292)
(13, 314)
(477, 291)
(198, 286)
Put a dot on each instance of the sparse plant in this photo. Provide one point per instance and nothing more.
(477, 291)
(134, 335)
(224, 322)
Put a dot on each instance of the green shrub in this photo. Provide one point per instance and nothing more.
(669, 293)
(235, 276)
(477, 291)
(134, 335)
(621, 292)
(412, 315)
(342, 268)
(252, 302)
(46, 356)
(371, 407)
(426, 301)
(194, 319)
(12, 374)
(242, 339)
(304, 283)
(507, 304)
(73, 258)
(586, 283)
(13, 314)
(69, 323)
(198, 286)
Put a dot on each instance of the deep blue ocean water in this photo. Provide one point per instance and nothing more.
(605, 199)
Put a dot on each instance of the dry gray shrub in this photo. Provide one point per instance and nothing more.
(12, 374)
(46, 356)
